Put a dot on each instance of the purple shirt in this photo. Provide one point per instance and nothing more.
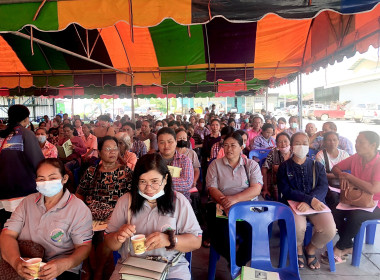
(259, 142)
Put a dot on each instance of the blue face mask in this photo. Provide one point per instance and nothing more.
(49, 188)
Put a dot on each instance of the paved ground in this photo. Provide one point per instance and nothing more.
(369, 267)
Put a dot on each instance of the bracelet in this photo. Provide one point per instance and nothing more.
(172, 239)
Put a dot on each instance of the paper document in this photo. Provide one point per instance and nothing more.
(147, 144)
(65, 150)
(342, 206)
(294, 204)
(249, 273)
(334, 189)
(174, 171)
(99, 225)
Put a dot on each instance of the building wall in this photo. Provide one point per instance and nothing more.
(361, 93)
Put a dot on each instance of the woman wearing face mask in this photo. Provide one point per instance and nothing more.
(281, 126)
(302, 180)
(53, 218)
(100, 187)
(182, 148)
(154, 209)
(265, 140)
(293, 126)
(48, 149)
(271, 164)
(201, 129)
(158, 126)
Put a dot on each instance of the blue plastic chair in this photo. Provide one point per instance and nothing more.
(259, 153)
(369, 227)
(312, 153)
(329, 245)
(260, 221)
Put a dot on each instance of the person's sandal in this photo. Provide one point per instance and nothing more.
(301, 264)
(313, 262)
(338, 260)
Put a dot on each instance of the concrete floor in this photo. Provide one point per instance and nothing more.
(369, 267)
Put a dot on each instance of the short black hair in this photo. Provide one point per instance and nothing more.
(226, 130)
(237, 136)
(295, 135)
(282, 134)
(242, 132)
(130, 124)
(146, 163)
(166, 130)
(281, 119)
(327, 134)
(267, 126)
(69, 126)
(104, 118)
(102, 140)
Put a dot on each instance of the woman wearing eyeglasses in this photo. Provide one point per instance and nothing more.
(164, 216)
(100, 188)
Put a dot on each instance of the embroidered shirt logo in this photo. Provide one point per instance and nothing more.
(57, 234)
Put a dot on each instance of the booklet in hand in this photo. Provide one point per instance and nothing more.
(138, 268)
(294, 204)
(65, 150)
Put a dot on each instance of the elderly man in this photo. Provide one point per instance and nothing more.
(344, 143)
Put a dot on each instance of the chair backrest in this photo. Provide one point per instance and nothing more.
(312, 153)
(259, 153)
(260, 221)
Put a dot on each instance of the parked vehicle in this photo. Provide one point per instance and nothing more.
(371, 114)
(328, 112)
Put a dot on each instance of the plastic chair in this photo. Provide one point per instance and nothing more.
(329, 245)
(188, 257)
(369, 227)
(312, 153)
(260, 221)
(259, 153)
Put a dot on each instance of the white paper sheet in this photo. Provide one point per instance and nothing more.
(294, 204)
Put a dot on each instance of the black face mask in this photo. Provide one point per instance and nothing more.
(182, 144)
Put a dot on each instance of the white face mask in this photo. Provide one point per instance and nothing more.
(202, 124)
(285, 150)
(157, 195)
(41, 138)
(158, 128)
(49, 188)
(244, 146)
(301, 151)
(281, 125)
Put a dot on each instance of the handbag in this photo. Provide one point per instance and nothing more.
(28, 249)
(334, 182)
(355, 196)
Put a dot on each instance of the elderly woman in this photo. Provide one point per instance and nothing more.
(53, 218)
(304, 181)
(271, 164)
(101, 186)
(229, 180)
(48, 149)
(365, 174)
(125, 156)
(73, 161)
(156, 210)
(265, 139)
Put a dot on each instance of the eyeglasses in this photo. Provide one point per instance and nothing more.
(109, 149)
(154, 184)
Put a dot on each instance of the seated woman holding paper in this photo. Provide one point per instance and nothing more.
(365, 175)
(53, 218)
(76, 147)
(303, 181)
(329, 157)
(229, 180)
(164, 216)
(271, 164)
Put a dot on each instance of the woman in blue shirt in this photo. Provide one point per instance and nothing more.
(304, 181)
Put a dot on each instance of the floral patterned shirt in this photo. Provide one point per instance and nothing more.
(109, 186)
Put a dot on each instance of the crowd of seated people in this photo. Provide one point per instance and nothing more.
(150, 166)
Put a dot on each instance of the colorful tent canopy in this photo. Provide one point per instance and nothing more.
(91, 14)
(185, 59)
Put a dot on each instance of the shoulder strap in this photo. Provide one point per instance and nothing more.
(246, 171)
(313, 175)
(327, 163)
(129, 209)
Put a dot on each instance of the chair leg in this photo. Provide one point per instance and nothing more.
(283, 244)
(370, 234)
(358, 247)
(213, 259)
(330, 253)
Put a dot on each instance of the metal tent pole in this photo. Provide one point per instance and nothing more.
(167, 101)
(299, 93)
(132, 99)
(72, 103)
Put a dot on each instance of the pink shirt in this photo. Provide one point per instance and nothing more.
(252, 134)
(49, 150)
(91, 143)
(369, 172)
